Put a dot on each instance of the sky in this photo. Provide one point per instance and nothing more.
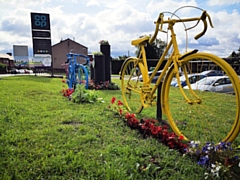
(119, 22)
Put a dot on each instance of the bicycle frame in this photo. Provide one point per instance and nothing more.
(73, 66)
(174, 61)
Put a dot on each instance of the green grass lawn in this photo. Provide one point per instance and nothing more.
(43, 135)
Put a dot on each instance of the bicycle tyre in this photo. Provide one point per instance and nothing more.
(131, 84)
(216, 118)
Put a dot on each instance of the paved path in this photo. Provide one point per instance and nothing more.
(45, 74)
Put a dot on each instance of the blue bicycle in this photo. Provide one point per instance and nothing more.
(77, 73)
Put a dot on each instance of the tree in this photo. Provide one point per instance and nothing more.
(154, 50)
(119, 58)
(123, 57)
(234, 54)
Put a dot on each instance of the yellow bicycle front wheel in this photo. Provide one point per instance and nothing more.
(131, 83)
(211, 113)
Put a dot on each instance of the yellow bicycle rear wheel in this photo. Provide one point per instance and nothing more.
(131, 84)
(212, 114)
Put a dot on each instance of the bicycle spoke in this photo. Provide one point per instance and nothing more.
(131, 86)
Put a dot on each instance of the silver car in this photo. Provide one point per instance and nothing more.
(220, 84)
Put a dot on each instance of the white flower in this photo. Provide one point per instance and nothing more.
(213, 165)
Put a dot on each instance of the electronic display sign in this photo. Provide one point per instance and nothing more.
(41, 34)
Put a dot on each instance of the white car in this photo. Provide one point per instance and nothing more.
(21, 71)
(27, 71)
(212, 73)
(221, 84)
(191, 77)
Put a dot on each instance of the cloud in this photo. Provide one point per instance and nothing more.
(113, 4)
(118, 26)
(169, 5)
(222, 2)
(92, 3)
(22, 3)
(119, 22)
(203, 42)
(14, 26)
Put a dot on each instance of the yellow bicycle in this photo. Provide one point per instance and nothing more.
(192, 111)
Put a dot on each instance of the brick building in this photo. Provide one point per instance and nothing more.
(8, 60)
(62, 48)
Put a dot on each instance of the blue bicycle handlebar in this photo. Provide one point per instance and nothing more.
(70, 55)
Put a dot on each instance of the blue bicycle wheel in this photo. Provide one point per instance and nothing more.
(82, 75)
(71, 77)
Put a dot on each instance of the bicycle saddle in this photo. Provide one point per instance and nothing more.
(140, 40)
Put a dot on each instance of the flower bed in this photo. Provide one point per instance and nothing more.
(103, 85)
(218, 159)
(92, 86)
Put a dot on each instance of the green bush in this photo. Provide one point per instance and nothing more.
(82, 95)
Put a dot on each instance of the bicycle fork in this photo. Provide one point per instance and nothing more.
(179, 64)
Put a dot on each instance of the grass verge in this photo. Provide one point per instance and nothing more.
(45, 136)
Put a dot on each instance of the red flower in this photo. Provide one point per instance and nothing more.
(132, 115)
(180, 137)
(159, 128)
(154, 131)
(143, 126)
(63, 80)
(170, 144)
(165, 127)
(129, 116)
(113, 100)
(120, 111)
(119, 103)
(67, 92)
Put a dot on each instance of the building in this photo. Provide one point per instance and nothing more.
(234, 62)
(61, 49)
(8, 60)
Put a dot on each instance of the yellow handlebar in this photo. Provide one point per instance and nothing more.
(161, 21)
(203, 18)
(158, 22)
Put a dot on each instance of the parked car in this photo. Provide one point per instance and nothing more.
(21, 71)
(221, 84)
(196, 77)
(191, 77)
(27, 71)
(15, 71)
(212, 73)
(154, 80)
